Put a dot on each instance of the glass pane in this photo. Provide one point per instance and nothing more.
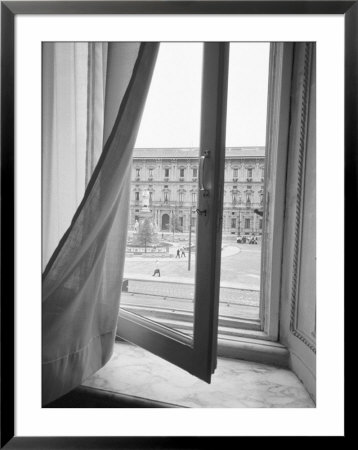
(159, 272)
(239, 305)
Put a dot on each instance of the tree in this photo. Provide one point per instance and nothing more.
(146, 234)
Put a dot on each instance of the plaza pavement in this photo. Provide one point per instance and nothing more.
(175, 291)
(240, 267)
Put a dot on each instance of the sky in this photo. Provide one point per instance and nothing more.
(171, 116)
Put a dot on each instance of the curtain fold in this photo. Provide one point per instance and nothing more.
(96, 92)
(64, 138)
(82, 280)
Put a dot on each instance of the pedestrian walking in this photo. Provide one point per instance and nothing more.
(182, 252)
(178, 253)
(156, 270)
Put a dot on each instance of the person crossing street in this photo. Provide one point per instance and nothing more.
(157, 269)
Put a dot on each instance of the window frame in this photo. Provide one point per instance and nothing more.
(272, 231)
(198, 355)
(277, 139)
(181, 196)
(279, 91)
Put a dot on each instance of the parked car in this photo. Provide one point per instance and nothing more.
(246, 239)
(242, 239)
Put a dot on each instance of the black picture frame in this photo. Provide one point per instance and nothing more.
(9, 10)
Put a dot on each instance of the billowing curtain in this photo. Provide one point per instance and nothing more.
(93, 99)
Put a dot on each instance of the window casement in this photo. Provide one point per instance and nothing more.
(235, 175)
(249, 174)
(181, 196)
(248, 200)
(136, 196)
(150, 174)
(195, 173)
(234, 197)
(166, 173)
(181, 174)
(137, 173)
(197, 354)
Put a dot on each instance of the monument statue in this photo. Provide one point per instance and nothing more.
(145, 201)
(146, 234)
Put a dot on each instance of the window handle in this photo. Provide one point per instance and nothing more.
(201, 173)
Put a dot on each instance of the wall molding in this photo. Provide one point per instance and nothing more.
(305, 52)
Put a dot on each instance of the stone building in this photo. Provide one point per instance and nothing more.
(170, 175)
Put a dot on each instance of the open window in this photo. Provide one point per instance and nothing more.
(196, 351)
(184, 190)
(192, 338)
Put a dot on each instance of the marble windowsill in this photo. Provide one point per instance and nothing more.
(235, 384)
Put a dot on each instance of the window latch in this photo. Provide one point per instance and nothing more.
(202, 187)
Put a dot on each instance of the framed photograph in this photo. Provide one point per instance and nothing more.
(169, 222)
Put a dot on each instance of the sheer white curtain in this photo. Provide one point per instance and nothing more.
(93, 98)
(74, 80)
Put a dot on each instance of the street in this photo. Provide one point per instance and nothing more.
(240, 265)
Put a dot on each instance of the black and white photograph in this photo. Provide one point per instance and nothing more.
(177, 180)
(178, 224)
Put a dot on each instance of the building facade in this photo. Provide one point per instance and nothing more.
(170, 176)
